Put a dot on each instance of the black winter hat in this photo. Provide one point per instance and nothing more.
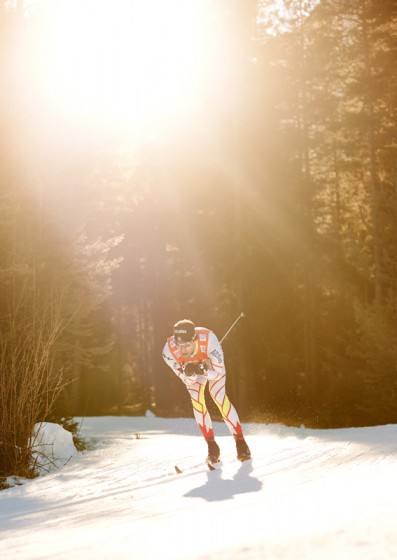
(184, 331)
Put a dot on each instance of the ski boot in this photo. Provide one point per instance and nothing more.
(213, 451)
(243, 451)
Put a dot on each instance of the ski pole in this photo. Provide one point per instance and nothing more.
(242, 314)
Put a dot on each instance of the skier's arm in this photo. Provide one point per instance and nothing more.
(176, 368)
(216, 363)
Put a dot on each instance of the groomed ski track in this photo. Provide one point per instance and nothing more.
(307, 494)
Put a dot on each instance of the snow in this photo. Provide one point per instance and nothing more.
(53, 447)
(307, 494)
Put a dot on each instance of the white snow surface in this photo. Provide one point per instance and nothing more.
(307, 494)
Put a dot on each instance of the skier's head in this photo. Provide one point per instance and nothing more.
(184, 332)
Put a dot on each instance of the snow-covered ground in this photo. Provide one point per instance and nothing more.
(307, 494)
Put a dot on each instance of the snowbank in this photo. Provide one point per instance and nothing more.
(53, 447)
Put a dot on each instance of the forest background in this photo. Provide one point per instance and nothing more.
(275, 195)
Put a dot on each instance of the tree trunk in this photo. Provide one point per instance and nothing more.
(373, 179)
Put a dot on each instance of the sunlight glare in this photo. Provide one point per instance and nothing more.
(136, 62)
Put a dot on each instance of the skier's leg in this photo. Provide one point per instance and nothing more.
(230, 416)
(200, 411)
(229, 413)
(203, 419)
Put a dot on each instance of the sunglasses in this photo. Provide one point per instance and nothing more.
(184, 344)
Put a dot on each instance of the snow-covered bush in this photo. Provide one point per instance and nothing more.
(52, 447)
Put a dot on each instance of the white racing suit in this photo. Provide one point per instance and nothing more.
(208, 351)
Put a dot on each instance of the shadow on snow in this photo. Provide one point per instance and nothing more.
(218, 489)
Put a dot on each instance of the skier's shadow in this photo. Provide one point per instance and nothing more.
(217, 488)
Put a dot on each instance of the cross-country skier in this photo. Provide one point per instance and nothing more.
(195, 355)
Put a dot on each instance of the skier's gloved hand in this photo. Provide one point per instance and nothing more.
(204, 367)
(193, 369)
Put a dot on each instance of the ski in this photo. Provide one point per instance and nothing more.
(209, 465)
(217, 466)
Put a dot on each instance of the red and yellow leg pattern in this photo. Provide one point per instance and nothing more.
(200, 411)
(229, 413)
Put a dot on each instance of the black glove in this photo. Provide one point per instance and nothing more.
(194, 368)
